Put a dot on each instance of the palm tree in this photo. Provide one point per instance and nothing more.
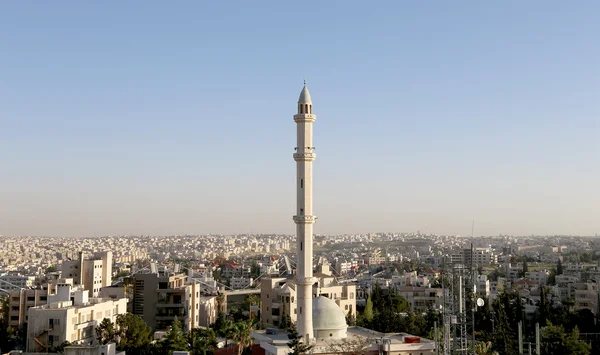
(220, 303)
(485, 349)
(243, 335)
(252, 300)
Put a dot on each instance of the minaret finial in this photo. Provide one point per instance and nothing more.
(304, 81)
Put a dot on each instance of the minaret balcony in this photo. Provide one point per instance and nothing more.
(304, 219)
(305, 156)
(305, 117)
(306, 281)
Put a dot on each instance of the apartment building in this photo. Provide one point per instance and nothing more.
(238, 283)
(70, 315)
(586, 296)
(409, 279)
(422, 299)
(478, 257)
(482, 284)
(11, 282)
(93, 273)
(374, 259)
(208, 311)
(539, 277)
(20, 301)
(160, 297)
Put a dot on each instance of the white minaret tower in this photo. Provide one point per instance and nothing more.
(304, 217)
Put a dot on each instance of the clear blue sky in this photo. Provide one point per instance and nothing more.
(153, 117)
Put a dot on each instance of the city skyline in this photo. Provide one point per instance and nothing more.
(175, 121)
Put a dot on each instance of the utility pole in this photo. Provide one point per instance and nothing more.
(520, 338)
(537, 339)
(435, 334)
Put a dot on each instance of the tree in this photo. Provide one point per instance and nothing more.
(352, 345)
(175, 340)
(105, 332)
(242, 334)
(485, 349)
(220, 304)
(252, 300)
(552, 278)
(225, 329)
(507, 315)
(556, 341)
(559, 267)
(351, 319)
(368, 312)
(59, 348)
(254, 269)
(133, 333)
(203, 340)
(4, 331)
(296, 345)
(51, 268)
(286, 321)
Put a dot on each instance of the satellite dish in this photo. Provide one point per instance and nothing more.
(480, 302)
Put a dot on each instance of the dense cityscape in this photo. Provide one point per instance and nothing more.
(205, 281)
(150, 147)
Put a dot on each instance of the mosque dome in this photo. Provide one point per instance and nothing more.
(304, 96)
(329, 321)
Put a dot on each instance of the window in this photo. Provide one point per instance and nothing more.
(300, 108)
(300, 246)
(301, 183)
(311, 109)
(300, 310)
(346, 307)
(306, 108)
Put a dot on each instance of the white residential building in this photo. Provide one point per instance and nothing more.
(70, 315)
(539, 277)
(16, 282)
(238, 283)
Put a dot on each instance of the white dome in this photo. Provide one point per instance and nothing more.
(328, 317)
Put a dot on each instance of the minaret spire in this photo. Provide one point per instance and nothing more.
(304, 217)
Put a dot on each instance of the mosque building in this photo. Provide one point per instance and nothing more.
(319, 303)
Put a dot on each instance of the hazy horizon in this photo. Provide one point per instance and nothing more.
(169, 119)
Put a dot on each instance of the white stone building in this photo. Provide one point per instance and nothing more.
(70, 315)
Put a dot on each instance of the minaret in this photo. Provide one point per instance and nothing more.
(304, 218)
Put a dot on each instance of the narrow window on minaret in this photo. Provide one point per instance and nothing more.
(300, 246)
(311, 109)
(300, 108)
(306, 108)
(301, 183)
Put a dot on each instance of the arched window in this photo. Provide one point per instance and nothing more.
(311, 109)
(306, 108)
(300, 108)
(351, 295)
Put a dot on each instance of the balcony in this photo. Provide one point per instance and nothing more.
(164, 317)
(83, 325)
(170, 305)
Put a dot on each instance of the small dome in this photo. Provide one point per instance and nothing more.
(304, 96)
(327, 315)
